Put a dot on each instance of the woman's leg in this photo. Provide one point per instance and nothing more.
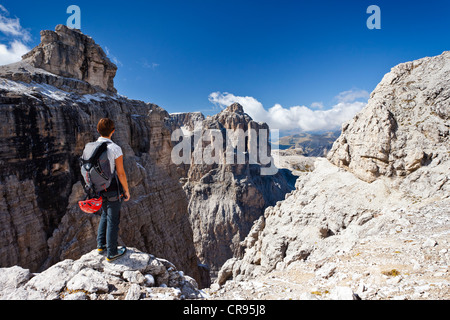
(101, 232)
(112, 230)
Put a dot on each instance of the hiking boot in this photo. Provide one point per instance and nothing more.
(101, 250)
(120, 252)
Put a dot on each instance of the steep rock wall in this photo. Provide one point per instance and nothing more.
(225, 199)
(46, 121)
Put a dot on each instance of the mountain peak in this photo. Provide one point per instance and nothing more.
(235, 107)
(71, 54)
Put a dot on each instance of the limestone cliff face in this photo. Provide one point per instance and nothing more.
(47, 118)
(392, 157)
(185, 120)
(66, 59)
(225, 199)
(71, 54)
(405, 125)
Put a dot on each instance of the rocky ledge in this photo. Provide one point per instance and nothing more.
(136, 275)
(404, 256)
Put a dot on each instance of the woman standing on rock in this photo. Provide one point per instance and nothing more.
(108, 228)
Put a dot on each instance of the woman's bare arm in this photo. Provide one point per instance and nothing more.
(122, 177)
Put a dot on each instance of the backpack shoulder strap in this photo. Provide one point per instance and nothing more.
(98, 152)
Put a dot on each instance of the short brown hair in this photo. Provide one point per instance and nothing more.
(105, 126)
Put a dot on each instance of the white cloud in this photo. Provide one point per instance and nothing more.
(12, 27)
(317, 105)
(12, 53)
(16, 36)
(352, 95)
(113, 58)
(148, 65)
(299, 118)
(4, 9)
(250, 104)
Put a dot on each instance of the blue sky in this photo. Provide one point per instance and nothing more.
(296, 58)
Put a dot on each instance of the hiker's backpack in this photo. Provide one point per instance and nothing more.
(95, 169)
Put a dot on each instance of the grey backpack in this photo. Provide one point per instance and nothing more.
(95, 168)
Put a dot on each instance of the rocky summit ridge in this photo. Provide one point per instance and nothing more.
(388, 173)
(66, 59)
(404, 126)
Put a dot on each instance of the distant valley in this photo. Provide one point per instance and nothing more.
(313, 144)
